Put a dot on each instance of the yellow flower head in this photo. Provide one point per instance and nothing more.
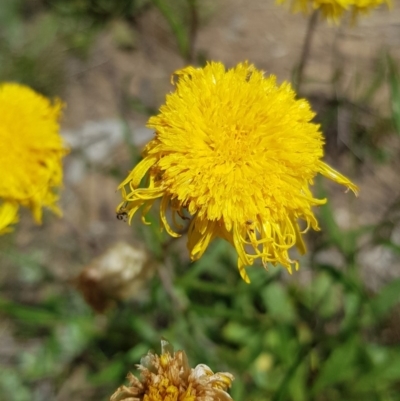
(168, 377)
(334, 9)
(235, 153)
(31, 150)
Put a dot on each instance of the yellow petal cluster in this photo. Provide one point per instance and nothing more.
(168, 377)
(335, 9)
(31, 150)
(235, 154)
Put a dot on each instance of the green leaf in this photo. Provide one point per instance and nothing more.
(394, 85)
(111, 373)
(137, 352)
(342, 278)
(237, 333)
(28, 314)
(12, 387)
(345, 241)
(143, 329)
(385, 369)
(323, 298)
(388, 297)
(339, 367)
(177, 26)
(279, 305)
(352, 308)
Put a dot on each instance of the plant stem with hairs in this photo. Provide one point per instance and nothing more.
(305, 52)
(193, 27)
(185, 36)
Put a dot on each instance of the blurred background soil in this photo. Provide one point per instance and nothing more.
(230, 31)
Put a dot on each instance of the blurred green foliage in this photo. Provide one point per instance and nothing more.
(183, 19)
(25, 45)
(99, 10)
(349, 120)
(394, 81)
(323, 340)
(37, 37)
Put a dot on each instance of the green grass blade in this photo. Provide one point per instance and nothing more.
(394, 85)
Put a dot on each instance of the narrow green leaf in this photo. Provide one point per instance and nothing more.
(278, 303)
(345, 241)
(388, 297)
(339, 367)
(237, 333)
(111, 373)
(28, 314)
(394, 84)
(177, 26)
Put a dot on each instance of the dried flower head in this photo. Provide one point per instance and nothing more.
(237, 153)
(31, 150)
(335, 9)
(168, 377)
(121, 272)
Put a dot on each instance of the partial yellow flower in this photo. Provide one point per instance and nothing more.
(8, 216)
(169, 377)
(234, 153)
(335, 9)
(31, 150)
